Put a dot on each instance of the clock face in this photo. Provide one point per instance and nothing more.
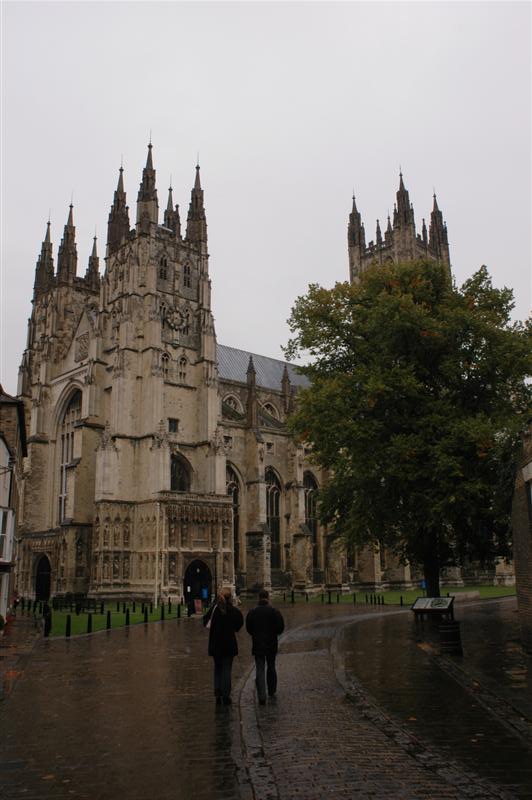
(175, 319)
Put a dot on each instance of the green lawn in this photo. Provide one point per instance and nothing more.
(99, 621)
(394, 597)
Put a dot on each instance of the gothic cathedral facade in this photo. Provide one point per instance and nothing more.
(159, 462)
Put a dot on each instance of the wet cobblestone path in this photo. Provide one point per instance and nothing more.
(132, 713)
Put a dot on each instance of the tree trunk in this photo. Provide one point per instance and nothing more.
(431, 565)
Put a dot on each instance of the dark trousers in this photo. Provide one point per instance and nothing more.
(265, 664)
(222, 676)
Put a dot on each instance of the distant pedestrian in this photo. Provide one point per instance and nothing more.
(265, 624)
(223, 621)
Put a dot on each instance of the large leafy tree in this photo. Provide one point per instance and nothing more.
(418, 396)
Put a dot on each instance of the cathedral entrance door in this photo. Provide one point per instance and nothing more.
(197, 582)
(43, 577)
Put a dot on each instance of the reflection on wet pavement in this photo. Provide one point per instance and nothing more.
(385, 656)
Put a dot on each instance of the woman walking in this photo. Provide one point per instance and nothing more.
(223, 621)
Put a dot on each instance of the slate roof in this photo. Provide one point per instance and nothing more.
(233, 364)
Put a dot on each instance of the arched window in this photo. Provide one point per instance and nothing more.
(271, 410)
(233, 403)
(186, 276)
(165, 365)
(233, 490)
(273, 514)
(182, 372)
(66, 438)
(163, 268)
(311, 518)
(179, 474)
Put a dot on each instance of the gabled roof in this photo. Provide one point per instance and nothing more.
(233, 365)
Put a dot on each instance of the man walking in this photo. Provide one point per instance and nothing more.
(264, 624)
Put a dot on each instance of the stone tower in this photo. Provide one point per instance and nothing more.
(400, 241)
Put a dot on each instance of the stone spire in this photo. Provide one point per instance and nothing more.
(118, 223)
(355, 229)
(67, 260)
(286, 388)
(356, 241)
(196, 220)
(252, 410)
(44, 271)
(92, 275)
(438, 241)
(171, 215)
(403, 213)
(147, 203)
(378, 235)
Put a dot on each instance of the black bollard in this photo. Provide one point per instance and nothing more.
(169, 606)
(354, 599)
(151, 608)
(134, 606)
(401, 600)
(89, 623)
(329, 597)
(293, 597)
(108, 622)
(101, 609)
(68, 626)
(145, 614)
(284, 597)
(123, 608)
(322, 597)
(127, 616)
(366, 599)
(337, 597)
(178, 611)
(118, 606)
(22, 604)
(162, 611)
(47, 617)
(306, 596)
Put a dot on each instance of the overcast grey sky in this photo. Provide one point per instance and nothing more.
(290, 106)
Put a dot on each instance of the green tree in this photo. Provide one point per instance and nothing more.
(418, 397)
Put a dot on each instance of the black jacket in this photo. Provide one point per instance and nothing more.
(225, 623)
(264, 623)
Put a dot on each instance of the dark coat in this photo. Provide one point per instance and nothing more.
(224, 625)
(264, 623)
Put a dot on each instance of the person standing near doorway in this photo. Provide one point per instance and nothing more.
(223, 621)
(265, 624)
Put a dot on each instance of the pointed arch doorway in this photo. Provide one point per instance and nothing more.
(43, 578)
(197, 583)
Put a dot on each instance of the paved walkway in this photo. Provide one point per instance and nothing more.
(132, 712)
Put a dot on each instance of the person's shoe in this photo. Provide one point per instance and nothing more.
(272, 695)
(226, 701)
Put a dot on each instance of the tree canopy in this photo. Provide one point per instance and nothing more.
(418, 396)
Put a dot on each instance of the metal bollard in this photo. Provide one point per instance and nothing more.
(401, 600)
(89, 623)
(145, 614)
(162, 611)
(68, 626)
(337, 597)
(354, 599)
(108, 621)
(178, 611)
(127, 616)
(322, 597)
(306, 597)
(329, 597)
(101, 608)
(366, 599)
(134, 606)
(169, 606)
(292, 597)
(151, 608)
(118, 606)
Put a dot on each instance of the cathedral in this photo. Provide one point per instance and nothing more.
(159, 464)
